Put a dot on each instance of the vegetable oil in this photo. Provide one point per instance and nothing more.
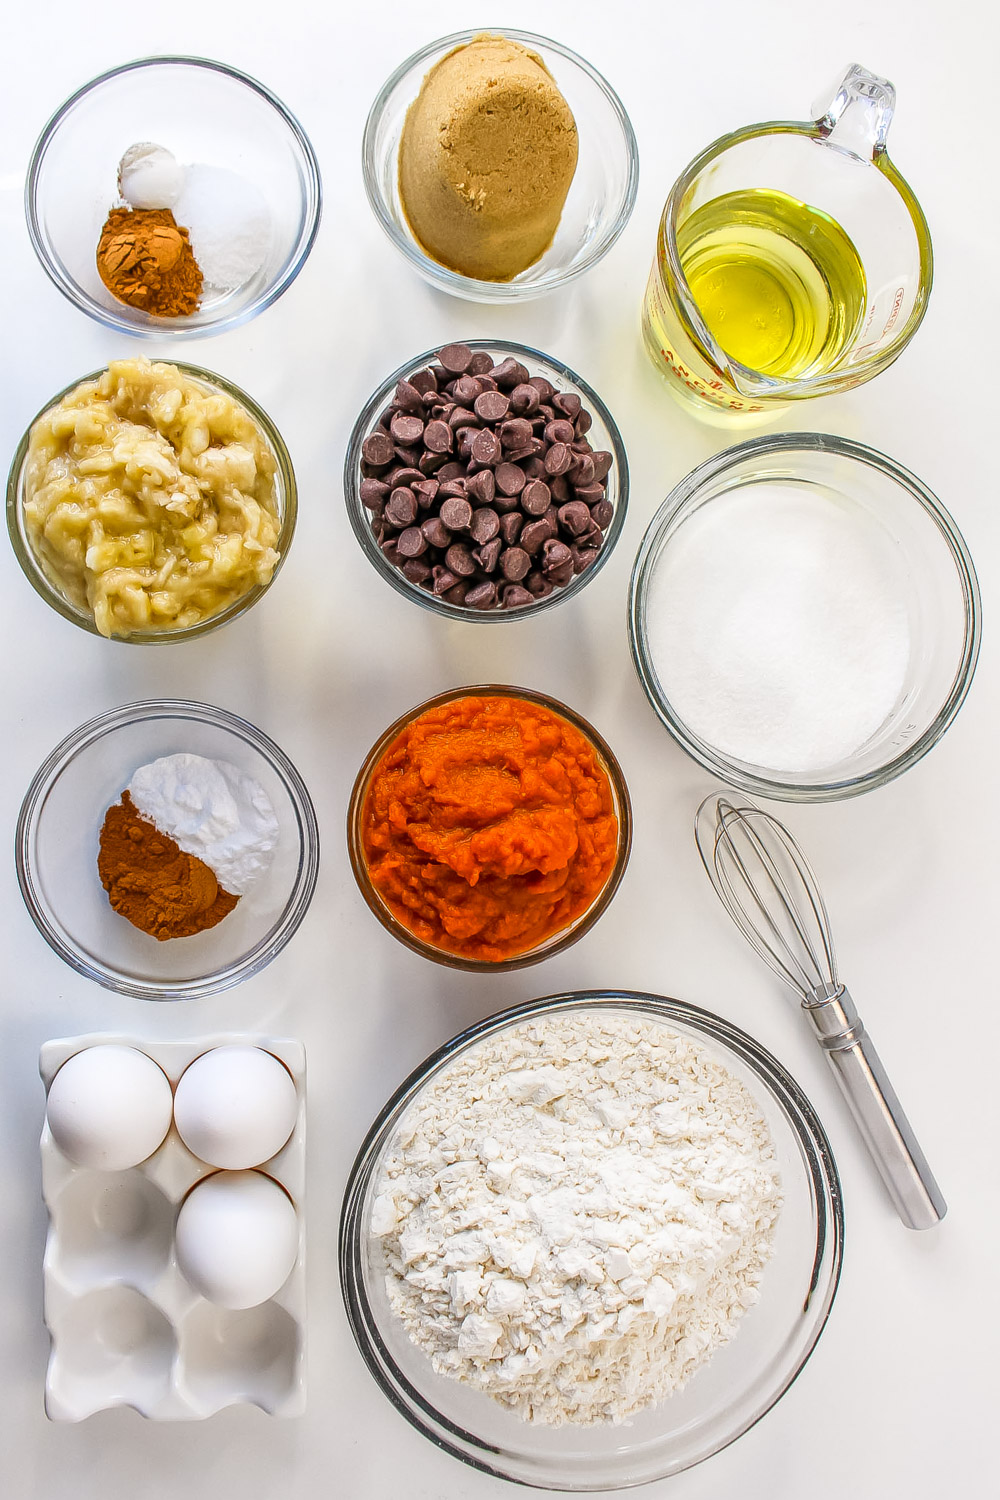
(779, 284)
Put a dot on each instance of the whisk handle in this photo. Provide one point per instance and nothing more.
(878, 1113)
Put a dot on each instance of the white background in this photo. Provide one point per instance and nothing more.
(899, 1397)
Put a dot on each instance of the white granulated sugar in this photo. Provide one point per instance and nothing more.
(576, 1213)
(777, 625)
(229, 225)
(212, 810)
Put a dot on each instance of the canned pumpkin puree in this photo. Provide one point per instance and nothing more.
(488, 826)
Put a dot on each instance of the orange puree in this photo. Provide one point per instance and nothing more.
(489, 825)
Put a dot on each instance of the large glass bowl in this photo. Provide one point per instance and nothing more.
(603, 437)
(740, 1382)
(56, 849)
(33, 567)
(930, 565)
(204, 112)
(600, 199)
(558, 941)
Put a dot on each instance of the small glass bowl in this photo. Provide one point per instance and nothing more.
(559, 941)
(34, 569)
(920, 541)
(731, 1392)
(600, 199)
(603, 436)
(206, 113)
(56, 848)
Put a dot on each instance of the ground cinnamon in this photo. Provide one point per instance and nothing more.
(153, 883)
(145, 260)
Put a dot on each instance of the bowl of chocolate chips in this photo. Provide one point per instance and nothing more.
(486, 480)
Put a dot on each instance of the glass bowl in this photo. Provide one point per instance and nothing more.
(558, 941)
(57, 842)
(600, 199)
(603, 436)
(727, 1395)
(34, 569)
(205, 113)
(929, 580)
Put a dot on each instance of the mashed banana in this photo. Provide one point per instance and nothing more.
(150, 498)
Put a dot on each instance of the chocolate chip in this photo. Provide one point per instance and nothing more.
(426, 492)
(583, 421)
(559, 431)
(438, 437)
(524, 400)
(391, 551)
(461, 416)
(483, 596)
(485, 448)
(481, 363)
(436, 532)
(491, 406)
(590, 494)
(509, 479)
(431, 462)
(423, 381)
(407, 430)
(408, 397)
(534, 536)
(602, 464)
(515, 564)
(555, 555)
(456, 358)
(488, 556)
(535, 497)
(401, 508)
(537, 584)
(575, 517)
(452, 489)
(456, 514)
(417, 570)
(516, 433)
(583, 558)
(378, 450)
(411, 542)
(444, 579)
(486, 525)
(568, 402)
(373, 493)
(601, 514)
(581, 470)
(515, 597)
(482, 486)
(510, 527)
(451, 470)
(558, 459)
(465, 389)
(460, 560)
(457, 594)
(559, 485)
(546, 390)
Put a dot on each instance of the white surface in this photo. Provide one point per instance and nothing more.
(899, 1397)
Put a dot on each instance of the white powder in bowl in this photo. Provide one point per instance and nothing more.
(229, 225)
(211, 810)
(777, 625)
(576, 1213)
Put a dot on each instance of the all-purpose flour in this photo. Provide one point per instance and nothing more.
(576, 1214)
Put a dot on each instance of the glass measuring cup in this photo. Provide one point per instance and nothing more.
(801, 247)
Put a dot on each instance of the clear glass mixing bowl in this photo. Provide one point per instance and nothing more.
(204, 112)
(872, 494)
(600, 199)
(731, 1392)
(56, 847)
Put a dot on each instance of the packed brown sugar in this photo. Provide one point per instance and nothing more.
(489, 826)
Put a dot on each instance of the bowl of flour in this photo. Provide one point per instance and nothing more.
(591, 1240)
(804, 617)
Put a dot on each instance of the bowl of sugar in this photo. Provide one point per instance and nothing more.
(804, 617)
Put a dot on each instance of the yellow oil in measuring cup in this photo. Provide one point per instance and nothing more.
(779, 284)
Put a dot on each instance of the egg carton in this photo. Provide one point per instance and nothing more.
(126, 1328)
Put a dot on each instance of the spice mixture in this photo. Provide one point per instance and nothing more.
(145, 259)
(154, 884)
(576, 1213)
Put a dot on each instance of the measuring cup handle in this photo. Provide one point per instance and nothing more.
(858, 116)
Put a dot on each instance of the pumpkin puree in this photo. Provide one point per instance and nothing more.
(489, 825)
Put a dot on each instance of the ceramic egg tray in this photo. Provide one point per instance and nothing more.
(126, 1328)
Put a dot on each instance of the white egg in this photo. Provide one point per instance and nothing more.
(237, 1238)
(235, 1106)
(109, 1107)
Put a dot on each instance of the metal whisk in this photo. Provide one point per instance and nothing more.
(767, 886)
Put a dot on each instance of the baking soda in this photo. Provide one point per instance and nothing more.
(777, 625)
